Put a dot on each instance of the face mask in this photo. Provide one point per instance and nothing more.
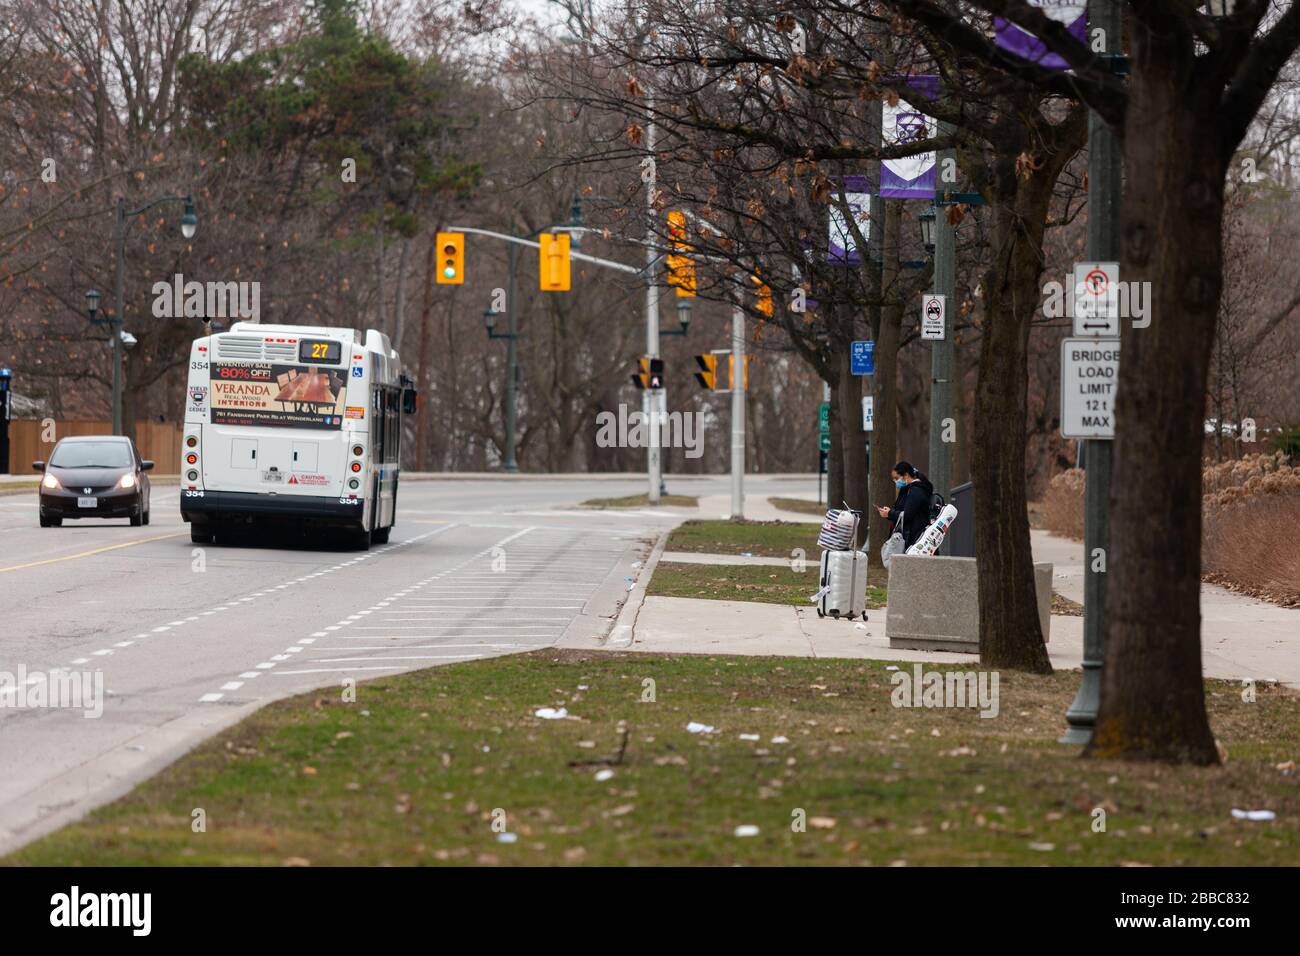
(900, 483)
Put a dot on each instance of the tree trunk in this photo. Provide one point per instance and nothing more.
(835, 456)
(1010, 633)
(399, 307)
(380, 311)
(1152, 691)
(884, 383)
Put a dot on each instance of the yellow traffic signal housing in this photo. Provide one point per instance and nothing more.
(681, 268)
(651, 374)
(731, 372)
(642, 378)
(451, 258)
(553, 262)
(708, 374)
(764, 294)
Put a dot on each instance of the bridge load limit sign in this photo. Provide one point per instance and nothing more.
(1089, 376)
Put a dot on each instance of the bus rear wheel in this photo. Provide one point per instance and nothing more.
(361, 540)
(199, 534)
(380, 535)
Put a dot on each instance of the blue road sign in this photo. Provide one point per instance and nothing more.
(863, 358)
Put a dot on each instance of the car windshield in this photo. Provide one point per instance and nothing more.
(92, 454)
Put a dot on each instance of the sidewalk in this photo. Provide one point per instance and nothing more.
(756, 508)
(1241, 637)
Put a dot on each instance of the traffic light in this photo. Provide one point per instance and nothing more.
(553, 262)
(764, 294)
(651, 374)
(681, 268)
(451, 258)
(708, 374)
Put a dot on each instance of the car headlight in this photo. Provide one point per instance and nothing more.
(49, 481)
(128, 481)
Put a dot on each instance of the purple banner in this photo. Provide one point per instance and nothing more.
(841, 246)
(1072, 13)
(913, 176)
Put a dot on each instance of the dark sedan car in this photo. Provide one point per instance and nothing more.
(94, 476)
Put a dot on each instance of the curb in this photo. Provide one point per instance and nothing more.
(622, 633)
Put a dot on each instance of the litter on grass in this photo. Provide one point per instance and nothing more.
(749, 737)
(603, 775)
(697, 728)
(746, 830)
(507, 837)
(551, 713)
(1254, 814)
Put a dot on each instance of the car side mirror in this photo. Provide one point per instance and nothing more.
(38, 466)
(146, 465)
(410, 401)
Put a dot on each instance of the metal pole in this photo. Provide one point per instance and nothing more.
(512, 360)
(941, 352)
(1105, 186)
(650, 401)
(115, 327)
(738, 413)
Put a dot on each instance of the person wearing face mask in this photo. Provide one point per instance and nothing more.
(913, 502)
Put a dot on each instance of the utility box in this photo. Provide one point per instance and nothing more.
(960, 542)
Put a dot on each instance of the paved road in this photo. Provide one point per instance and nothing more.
(191, 639)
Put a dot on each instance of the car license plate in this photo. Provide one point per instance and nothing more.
(274, 477)
(87, 502)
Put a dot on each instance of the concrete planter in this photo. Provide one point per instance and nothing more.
(934, 603)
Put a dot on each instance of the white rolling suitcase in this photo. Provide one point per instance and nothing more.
(843, 580)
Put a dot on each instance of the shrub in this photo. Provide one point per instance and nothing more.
(1252, 543)
(1251, 535)
(1063, 505)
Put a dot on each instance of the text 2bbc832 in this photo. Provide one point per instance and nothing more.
(289, 423)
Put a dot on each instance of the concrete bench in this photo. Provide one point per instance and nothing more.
(934, 603)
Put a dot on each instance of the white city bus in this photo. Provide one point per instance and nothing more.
(292, 423)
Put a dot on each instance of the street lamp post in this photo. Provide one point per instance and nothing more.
(509, 461)
(1105, 185)
(941, 350)
(189, 225)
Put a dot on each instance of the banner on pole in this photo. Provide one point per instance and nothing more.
(1009, 37)
(842, 246)
(911, 177)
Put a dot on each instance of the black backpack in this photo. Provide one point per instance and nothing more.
(936, 505)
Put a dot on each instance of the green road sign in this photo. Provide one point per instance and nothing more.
(824, 443)
(824, 418)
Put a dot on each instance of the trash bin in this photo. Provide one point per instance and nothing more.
(960, 542)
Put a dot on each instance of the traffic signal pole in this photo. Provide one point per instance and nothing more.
(651, 400)
(737, 413)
